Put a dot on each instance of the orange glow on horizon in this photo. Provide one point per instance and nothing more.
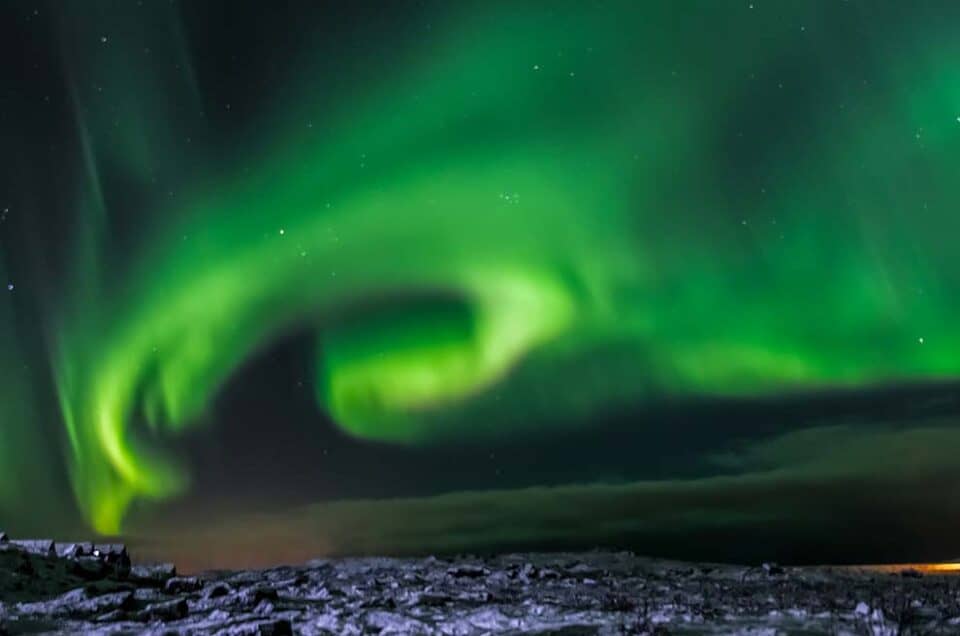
(947, 567)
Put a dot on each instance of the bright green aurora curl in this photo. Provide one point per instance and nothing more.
(526, 216)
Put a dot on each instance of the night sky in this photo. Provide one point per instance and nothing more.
(411, 277)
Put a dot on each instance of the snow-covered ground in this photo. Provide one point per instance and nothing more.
(93, 589)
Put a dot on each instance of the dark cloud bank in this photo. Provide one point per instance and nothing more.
(841, 494)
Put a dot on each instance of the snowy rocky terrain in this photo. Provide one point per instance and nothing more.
(94, 589)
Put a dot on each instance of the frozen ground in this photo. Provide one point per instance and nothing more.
(83, 588)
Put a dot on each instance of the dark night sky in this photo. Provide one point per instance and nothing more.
(409, 277)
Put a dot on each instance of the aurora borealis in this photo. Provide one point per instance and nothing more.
(470, 232)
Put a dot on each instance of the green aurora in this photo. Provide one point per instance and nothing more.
(536, 212)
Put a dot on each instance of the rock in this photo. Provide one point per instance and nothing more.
(280, 627)
(472, 571)
(71, 550)
(79, 604)
(157, 574)
(928, 613)
(108, 550)
(113, 554)
(114, 616)
(146, 595)
(108, 585)
(90, 568)
(167, 611)
(392, 623)
(182, 584)
(106, 602)
(772, 569)
(253, 596)
(264, 608)
(431, 599)
(527, 571)
(216, 591)
(3, 537)
(619, 603)
(45, 547)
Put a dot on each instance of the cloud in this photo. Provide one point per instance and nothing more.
(824, 494)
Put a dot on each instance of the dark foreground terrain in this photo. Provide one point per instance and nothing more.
(93, 589)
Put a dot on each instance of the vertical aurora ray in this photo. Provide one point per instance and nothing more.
(517, 198)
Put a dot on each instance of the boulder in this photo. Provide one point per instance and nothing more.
(182, 584)
(45, 547)
(157, 574)
(71, 550)
(166, 611)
